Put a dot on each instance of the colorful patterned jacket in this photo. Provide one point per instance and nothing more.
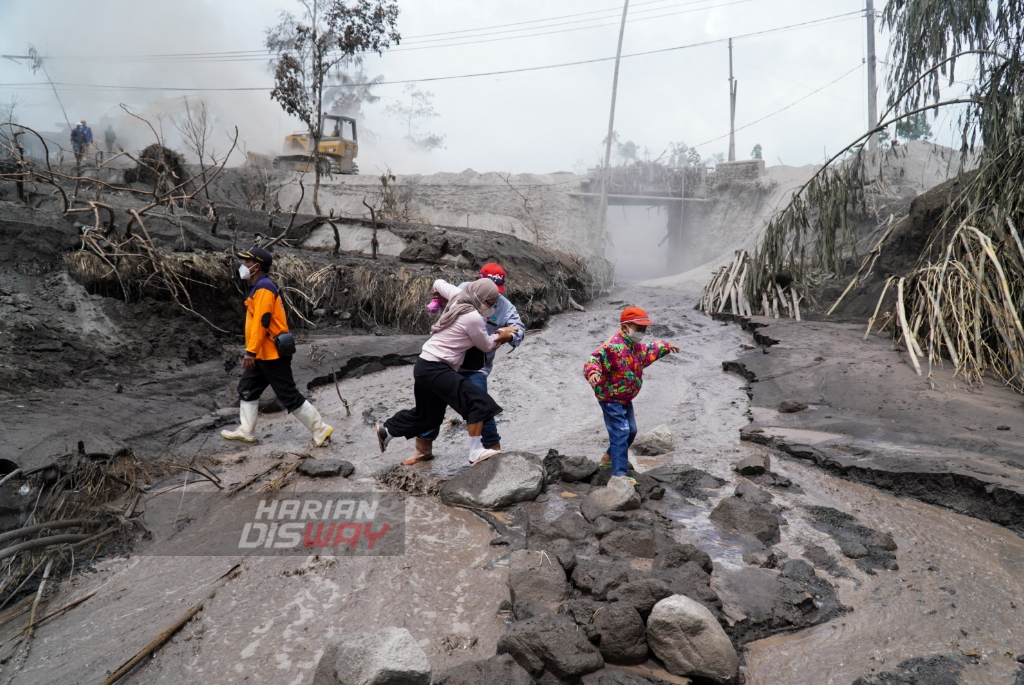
(621, 366)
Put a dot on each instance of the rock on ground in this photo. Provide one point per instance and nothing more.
(387, 657)
(498, 670)
(658, 441)
(619, 676)
(536, 576)
(550, 643)
(502, 480)
(641, 594)
(618, 495)
(623, 635)
(572, 526)
(754, 465)
(578, 468)
(559, 549)
(938, 669)
(326, 468)
(748, 518)
(791, 406)
(689, 641)
(629, 543)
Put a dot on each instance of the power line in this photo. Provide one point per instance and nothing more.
(410, 45)
(596, 60)
(795, 102)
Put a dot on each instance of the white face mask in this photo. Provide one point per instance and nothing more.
(487, 312)
(243, 272)
(633, 335)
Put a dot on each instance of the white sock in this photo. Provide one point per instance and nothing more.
(475, 444)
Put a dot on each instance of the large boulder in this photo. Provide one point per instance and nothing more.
(498, 670)
(673, 554)
(536, 576)
(618, 495)
(658, 441)
(502, 480)
(747, 518)
(387, 657)
(551, 643)
(641, 594)
(624, 542)
(572, 526)
(689, 641)
(599, 577)
(623, 636)
(577, 468)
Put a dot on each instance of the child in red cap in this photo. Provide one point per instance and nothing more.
(616, 371)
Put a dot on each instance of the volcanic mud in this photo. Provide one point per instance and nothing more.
(890, 578)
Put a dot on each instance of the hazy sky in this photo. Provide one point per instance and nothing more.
(532, 121)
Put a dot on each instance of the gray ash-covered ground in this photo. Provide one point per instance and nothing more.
(146, 374)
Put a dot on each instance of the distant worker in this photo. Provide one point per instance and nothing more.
(266, 330)
(110, 137)
(81, 139)
(895, 142)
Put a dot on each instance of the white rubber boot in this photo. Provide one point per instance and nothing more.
(310, 418)
(247, 416)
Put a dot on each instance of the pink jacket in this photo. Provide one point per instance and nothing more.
(450, 344)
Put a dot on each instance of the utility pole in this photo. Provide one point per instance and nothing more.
(611, 127)
(872, 87)
(732, 107)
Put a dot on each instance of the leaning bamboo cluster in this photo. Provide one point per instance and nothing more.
(727, 292)
(965, 307)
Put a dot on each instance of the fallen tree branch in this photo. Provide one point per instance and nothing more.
(69, 605)
(31, 530)
(40, 543)
(160, 639)
(252, 479)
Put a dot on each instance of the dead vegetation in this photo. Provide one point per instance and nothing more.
(958, 298)
(72, 507)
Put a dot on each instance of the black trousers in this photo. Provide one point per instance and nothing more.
(277, 373)
(436, 388)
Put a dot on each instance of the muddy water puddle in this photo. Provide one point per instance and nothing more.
(959, 590)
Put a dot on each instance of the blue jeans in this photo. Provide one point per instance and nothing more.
(621, 425)
(490, 434)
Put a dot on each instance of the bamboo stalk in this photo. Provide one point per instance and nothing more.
(902, 313)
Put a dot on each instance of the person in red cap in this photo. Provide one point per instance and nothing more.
(616, 371)
(477, 366)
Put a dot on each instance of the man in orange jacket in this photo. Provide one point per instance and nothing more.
(263, 364)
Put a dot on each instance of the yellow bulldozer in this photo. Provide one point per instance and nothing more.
(339, 147)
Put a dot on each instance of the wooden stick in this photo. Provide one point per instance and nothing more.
(878, 306)
(252, 479)
(67, 606)
(160, 639)
(12, 474)
(39, 596)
